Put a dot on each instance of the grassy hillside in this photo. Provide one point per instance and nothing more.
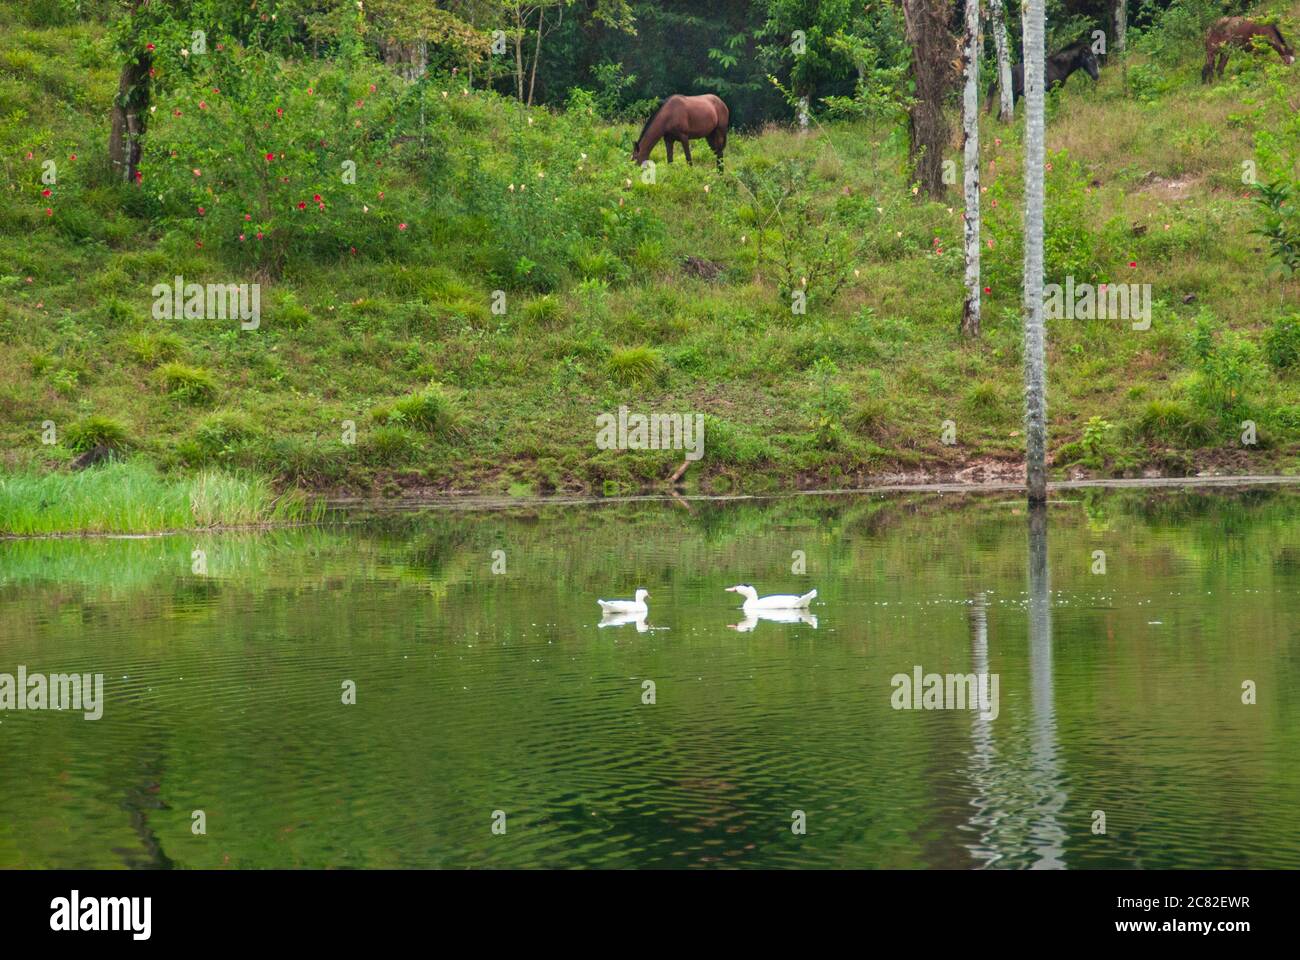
(672, 296)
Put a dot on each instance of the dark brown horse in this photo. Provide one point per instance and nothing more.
(1057, 69)
(1240, 32)
(683, 119)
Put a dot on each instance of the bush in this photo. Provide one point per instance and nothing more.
(219, 433)
(265, 159)
(390, 445)
(194, 385)
(542, 312)
(733, 444)
(1282, 342)
(431, 410)
(1170, 424)
(636, 365)
(151, 349)
(1227, 371)
(93, 432)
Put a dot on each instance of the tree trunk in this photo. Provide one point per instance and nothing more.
(1121, 39)
(1002, 47)
(1035, 352)
(931, 43)
(129, 115)
(519, 53)
(970, 121)
(537, 55)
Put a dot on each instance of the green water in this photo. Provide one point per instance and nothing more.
(481, 691)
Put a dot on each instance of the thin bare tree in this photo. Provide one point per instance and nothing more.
(1035, 347)
(1002, 48)
(970, 121)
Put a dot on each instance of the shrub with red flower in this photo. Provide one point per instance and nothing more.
(238, 167)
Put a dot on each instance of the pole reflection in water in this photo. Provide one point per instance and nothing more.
(1017, 793)
(1047, 837)
(983, 757)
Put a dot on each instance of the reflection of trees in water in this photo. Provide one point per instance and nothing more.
(139, 800)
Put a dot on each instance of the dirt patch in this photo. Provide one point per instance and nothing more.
(1171, 189)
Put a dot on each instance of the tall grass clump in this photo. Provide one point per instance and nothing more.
(133, 498)
(432, 410)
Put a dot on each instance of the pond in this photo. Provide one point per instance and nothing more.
(437, 689)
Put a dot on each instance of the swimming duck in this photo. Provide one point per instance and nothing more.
(779, 601)
(626, 606)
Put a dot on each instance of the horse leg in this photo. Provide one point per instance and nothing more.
(686, 149)
(717, 141)
(1207, 71)
(668, 145)
(1223, 62)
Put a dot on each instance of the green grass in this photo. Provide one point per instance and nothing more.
(133, 498)
(611, 314)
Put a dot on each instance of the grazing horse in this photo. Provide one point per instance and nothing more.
(683, 119)
(1059, 66)
(1240, 32)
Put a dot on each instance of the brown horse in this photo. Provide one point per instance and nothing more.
(683, 119)
(1240, 32)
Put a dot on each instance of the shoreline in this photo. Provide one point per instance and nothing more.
(486, 503)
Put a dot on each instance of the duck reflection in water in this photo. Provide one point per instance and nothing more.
(778, 616)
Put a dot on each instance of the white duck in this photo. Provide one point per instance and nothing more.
(779, 601)
(627, 606)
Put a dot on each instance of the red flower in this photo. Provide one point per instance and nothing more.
(372, 90)
(199, 244)
(241, 238)
(259, 234)
(49, 212)
(1132, 263)
(202, 105)
(202, 211)
(316, 197)
(988, 289)
(401, 226)
(270, 157)
(310, 91)
(353, 250)
(176, 112)
(279, 111)
(198, 172)
(302, 204)
(248, 216)
(73, 157)
(149, 47)
(138, 176)
(47, 192)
